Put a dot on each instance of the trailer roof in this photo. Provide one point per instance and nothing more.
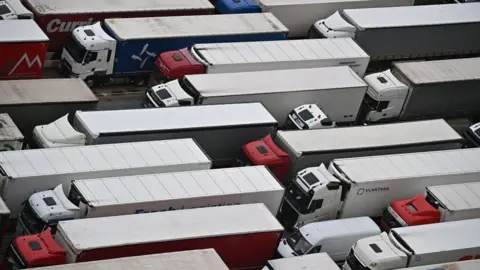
(68, 160)
(433, 238)
(51, 7)
(458, 197)
(279, 50)
(92, 233)
(385, 17)
(463, 265)
(175, 118)
(201, 259)
(275, 81)
(368, 137)
(44, 91)
(318, 261)
(9, 131)
(421, 164)
(24, 31)
(464, 69)
(178, 185)
(195, 26)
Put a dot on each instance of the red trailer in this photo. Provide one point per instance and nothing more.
(24, 47)
(245, 236)
(58, 18)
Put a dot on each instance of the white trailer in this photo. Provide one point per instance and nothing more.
(313, 10)
(417, 246)
(338, 91)
(25, 172)
(126, 195)
(364, 186)
(200, 259)
(408, 32)
(10, 136)
(319, 261)
(231, 124)
(261, 55)
(464, 265)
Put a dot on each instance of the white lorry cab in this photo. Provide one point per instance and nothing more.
(14, 10)
(416, 246)
(319, 261)
(334, 237)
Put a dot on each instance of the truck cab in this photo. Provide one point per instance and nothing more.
(14, 10)
(472, 134)
(384, 98)
(411, 212)
(380, 252)
(176, 64)
(34, 250)
(171, 94)
(313, 195)
(89, 54)
(334, 26)
(307, 116)
(44, 210)
(59, 133)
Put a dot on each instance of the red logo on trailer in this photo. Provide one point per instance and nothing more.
(23, 61)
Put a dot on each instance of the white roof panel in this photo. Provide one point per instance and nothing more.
(51, 7)
(279, 50)
(144, 188)
(438, 237)
(44, 90)
(175, 118)
(9, 131)
(423, 164)
(366, 137)
(439, 71)
(198, 26)
(93, 233)
(203, 259)
(319, 261)
(25, 31)
(457, 197)
(384, 17)
(463, 265)
(275, 81)
(53, 161)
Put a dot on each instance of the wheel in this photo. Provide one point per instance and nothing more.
(140, 81)
(90, 82)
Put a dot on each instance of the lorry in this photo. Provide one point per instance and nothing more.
(437, 204)
(319, 261)
(26, 47)
(226, 125)
(14, 10)
(294, 150)
(126, 195)
(59, 18)
(423, 90)
(24, 99)
(124, 50)
(244, 236)
(416, 246)
(401, 33)
(10, 136)
(338, 91)
(312, 10)
(25, 172)
(4, 222)
(200, 259)
(463, 265)
(351, 184)
(334, 237)
(257, 56)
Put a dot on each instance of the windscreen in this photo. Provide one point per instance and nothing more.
(305, 115)
(163, 94)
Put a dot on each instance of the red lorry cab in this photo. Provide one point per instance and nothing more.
(266, 152)
(413, 211)
(178, 63)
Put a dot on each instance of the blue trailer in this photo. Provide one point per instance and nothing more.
(125, 50)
